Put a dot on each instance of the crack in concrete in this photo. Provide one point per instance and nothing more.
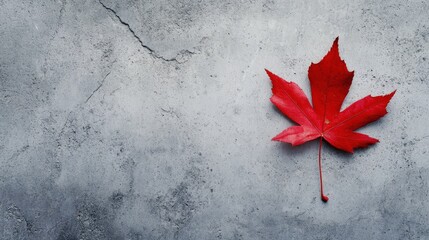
(98, 88)
(149, 49)
(171, 111)
(80, 105)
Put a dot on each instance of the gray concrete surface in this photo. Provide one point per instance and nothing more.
(151, 120)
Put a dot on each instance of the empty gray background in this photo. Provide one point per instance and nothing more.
(152, 120)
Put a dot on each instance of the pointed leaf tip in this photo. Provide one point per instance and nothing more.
(391, 94)
(335, 45)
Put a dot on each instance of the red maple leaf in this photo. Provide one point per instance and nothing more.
(330, 82)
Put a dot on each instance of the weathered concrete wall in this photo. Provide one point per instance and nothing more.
(151, 120)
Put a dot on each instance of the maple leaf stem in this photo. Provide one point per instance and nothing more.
(324, 198)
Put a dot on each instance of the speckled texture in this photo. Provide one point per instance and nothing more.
(151, 120)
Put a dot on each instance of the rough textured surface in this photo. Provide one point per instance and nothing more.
(151, 120)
